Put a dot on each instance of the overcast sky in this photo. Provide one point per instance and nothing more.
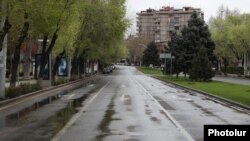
(209, 7)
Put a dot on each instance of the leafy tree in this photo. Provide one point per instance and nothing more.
(19, 31)
(6, 25)
(196, 35)
(47, 21)
(16, 59)
(101, 35)
(136, 46)
(230, 33)
(201, 67)
(150, 55)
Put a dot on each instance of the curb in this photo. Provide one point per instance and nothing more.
(211, 96)
(8, 101)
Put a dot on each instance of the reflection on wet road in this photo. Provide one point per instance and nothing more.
(135, 107)
(124, 106)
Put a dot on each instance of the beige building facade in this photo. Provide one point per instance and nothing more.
(159, 24)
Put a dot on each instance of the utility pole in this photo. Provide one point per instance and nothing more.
(3, 68)
(3, 58)
(219, 61)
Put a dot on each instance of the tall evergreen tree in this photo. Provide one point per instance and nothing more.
(195, 36)
(177, 50)
(202, 67)
(150, 55)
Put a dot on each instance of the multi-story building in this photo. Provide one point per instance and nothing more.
(158, 25)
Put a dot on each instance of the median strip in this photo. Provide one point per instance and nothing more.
(229, 93)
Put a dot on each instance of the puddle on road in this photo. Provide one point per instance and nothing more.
(163, 103)
(45, 131)
(131, 128)
(103, 127)
(133, 139)
(148, 112)
(14, 119)
(207, 112)
(60, 119)
(155, 119)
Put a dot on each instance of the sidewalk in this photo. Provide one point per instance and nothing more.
(230, 79)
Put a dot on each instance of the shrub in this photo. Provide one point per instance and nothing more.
(73, 78)
(60, 81)
(21, 90)
(235, 70)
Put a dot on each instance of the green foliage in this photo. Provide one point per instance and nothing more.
(94, 29)
(60, 81)
(150, 55)
(234, 70)
(201, 67)
(147, 70)
(101, 31)
(231, 34)
(234, 92)
(178, 51)
(195, 36)
(22, 89)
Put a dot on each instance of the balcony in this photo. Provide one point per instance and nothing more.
(157, 29)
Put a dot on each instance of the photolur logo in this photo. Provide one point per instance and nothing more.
(214, 132)
(224, 132)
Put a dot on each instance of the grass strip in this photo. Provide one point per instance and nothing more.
(235, 92)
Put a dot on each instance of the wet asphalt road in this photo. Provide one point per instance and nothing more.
(123, 106)
(135, 107)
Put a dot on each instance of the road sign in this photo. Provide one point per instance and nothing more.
(165, 55)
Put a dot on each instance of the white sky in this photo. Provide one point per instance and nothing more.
(209, 7)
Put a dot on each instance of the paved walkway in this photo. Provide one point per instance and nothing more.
(235, 80)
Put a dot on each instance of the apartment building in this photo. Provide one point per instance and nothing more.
(159, 24)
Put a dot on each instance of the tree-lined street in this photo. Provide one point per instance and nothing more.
(129, 105)
(74, 70)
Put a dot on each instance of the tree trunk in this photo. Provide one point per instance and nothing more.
(225, 65)
(15, 63)
(45, 55)
(4, 31)
(56, 65)
(74, 69)
(27, 60)
(74, 65)
(42, 61)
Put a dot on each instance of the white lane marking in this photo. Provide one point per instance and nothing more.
(182, 130)
(123, 86)
(76, 116)
(125, 97)
(91, 85)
